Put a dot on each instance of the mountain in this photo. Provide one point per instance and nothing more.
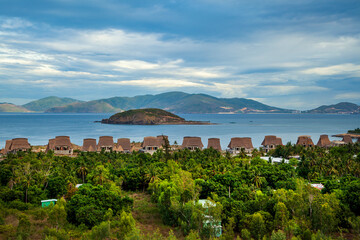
(85, 107)
(9, 107)
(148, 116)
(44, 104)
(340, 108)
(179, 102)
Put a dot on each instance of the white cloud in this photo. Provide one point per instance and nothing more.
(342, 69)
(154, 83)
(348, 96)
(13, 23)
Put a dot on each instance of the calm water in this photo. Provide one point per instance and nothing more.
(39, 127)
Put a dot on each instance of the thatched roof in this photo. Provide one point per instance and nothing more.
(89, 145)
(243, 142)
(51, 144)
(150, 141)
(118, 148)
(7, 146)
(16, 144)
(214, 143)
(347, 139)
(304, 140)
(106, 141)
(192, 142)
(124, 143)
(63, 141)
(323, 141)
(271, 140)
(161, 139)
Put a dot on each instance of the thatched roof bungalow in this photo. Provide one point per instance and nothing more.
(324, 141)
(162, 139)
(214, 143)
(238, 143)
(60, 145)
(124, 143)
(105, 143)
(271, 142)
(305, 141)
(17, 145)
(192, 143)
(89, 145)
(347, 139)
(151, 144)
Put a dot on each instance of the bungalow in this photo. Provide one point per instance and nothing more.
(124, 143)
(48, 202)
(237, 143)
(17, 145)
(214, 143)
(271, 142)
(347, 139)
(106, 143)
(162, 139)
(305, 141)
(60, 145)
(89, 145)
(192, 143)
(324, 141)
(150, 145)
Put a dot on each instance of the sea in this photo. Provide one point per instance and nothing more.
(40, 127)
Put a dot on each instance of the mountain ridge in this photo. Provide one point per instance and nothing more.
(339, 108)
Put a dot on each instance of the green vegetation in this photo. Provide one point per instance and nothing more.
(130, 196)
(343, 107)
(355, 131)
(44, 104)
(85, 107)
(8, 107)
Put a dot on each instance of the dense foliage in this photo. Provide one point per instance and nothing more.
(249, 196)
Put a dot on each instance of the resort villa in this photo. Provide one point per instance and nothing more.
(60, 145)
(324, 141)
(124, 143)
(17, 145)
(106, 143)
(305, 141)
(271, 142)
(150, 145)
(89, 145)
(238, 143)
(214, 143)
(192, 143)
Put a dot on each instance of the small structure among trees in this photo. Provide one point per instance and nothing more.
(89, 145)
(192, 143)
(238, 143)
(271, 142)
(60, 145)
(124, 143)
(151, 144)
(106, 143)
(214, 143)
(347, 139)
(17, 145)
(324, 141)
(305, 141)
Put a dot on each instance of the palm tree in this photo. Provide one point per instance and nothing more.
(82, 171)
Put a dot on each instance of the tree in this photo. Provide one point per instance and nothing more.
(257, 226)
(281, 216)
(24, 227)
(57, 216)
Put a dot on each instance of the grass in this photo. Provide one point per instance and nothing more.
(148, 218)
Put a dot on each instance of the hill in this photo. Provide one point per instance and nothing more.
(85, 107)
(44, 104)
(179, 102)
(148, 116)
(9, 107)
(340, 108)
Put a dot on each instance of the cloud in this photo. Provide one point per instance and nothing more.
(154, 83)
(348, 96)
(13, 23)
(342, 69)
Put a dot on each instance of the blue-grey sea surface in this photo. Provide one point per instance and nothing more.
(40, 127)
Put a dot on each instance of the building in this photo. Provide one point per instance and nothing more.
(324, 141)
(271, 142)
(162, 140)
(106, 143)
(60, 145)
(192, 143)
(238, 143)
(347, 139)
(48, 202)
(17, 145)
(214, 143)
(89, 145)
(305, 141)
(124, 143)
(151, 144)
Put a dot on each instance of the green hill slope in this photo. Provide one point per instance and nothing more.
(340, 108)
(44, 104)
(85, 107)
(9, 107)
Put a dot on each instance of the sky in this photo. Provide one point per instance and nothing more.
(296, 54)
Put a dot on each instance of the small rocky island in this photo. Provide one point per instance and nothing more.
(149, 116)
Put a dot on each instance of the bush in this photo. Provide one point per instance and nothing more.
(245, 234)
(102, 231)
(52, 233)
(19, 205)
(24, 227)
(279, 235)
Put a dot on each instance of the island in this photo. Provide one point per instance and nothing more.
(149, 116)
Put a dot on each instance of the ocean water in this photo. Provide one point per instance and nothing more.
(40, 127)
